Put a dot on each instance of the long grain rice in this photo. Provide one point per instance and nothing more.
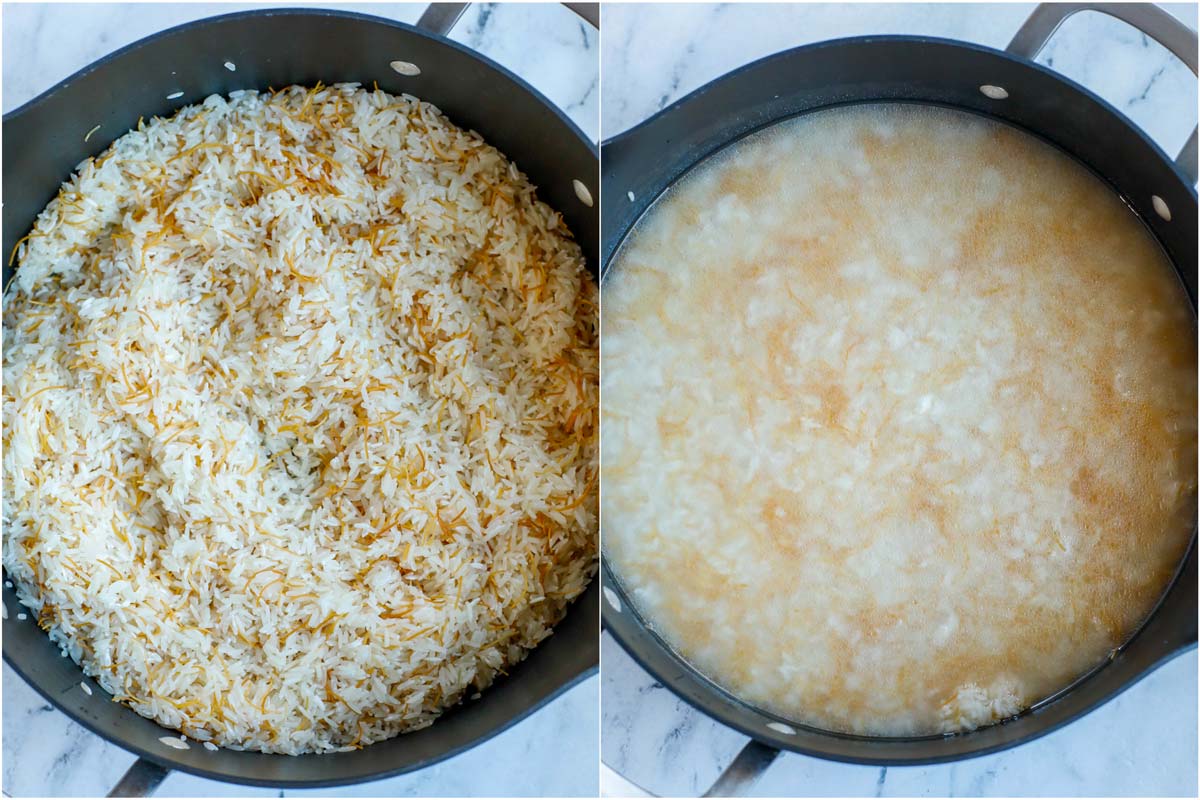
(299, 418)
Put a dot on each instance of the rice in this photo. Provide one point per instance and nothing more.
(899, 420)
(300, 410)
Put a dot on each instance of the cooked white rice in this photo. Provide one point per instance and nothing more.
(300, 407)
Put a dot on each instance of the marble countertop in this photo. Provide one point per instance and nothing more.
(1142, 743)
(546, 45)
(553, 752)
(654, 54)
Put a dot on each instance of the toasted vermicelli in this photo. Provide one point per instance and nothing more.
(300, 410)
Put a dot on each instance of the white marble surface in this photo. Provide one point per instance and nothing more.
(654, 54)
(551, 753)
(546, 45)
(1143, 743)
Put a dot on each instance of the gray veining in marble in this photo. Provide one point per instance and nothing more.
(551, 753)
(546, 45)
(654, 54)
(1142, 743)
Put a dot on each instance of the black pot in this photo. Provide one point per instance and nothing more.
(649, 158)
(45, 139)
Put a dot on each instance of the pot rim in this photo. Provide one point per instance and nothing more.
(633, 132)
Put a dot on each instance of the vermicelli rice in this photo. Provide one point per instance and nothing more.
(299, 418)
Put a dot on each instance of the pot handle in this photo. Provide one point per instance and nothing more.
(744, 771)
(737, 779)
(140, 780)
(439, 18)
(1146, 17)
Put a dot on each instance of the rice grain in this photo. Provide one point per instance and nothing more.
(300, 409)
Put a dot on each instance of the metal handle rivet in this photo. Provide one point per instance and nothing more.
(582, 193)
(1161, 208)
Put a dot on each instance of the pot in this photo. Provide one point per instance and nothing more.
(1004, 85)
(46, 138)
